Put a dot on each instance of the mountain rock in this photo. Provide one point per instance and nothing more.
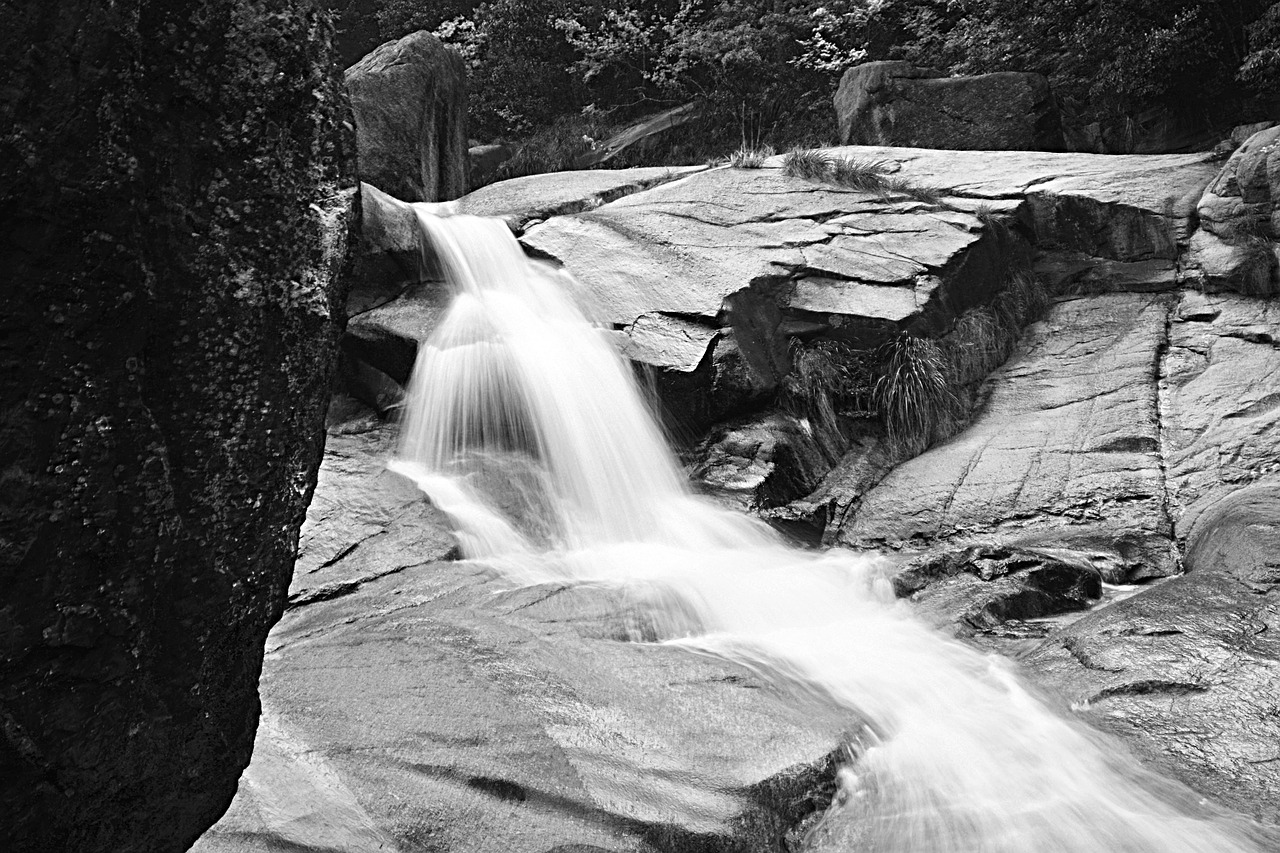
(898, 104)
(175, 236)
(411, 699)
(410, 103)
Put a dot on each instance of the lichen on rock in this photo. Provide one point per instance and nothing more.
(175, 231)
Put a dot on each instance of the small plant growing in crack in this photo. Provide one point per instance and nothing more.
(750, 157)
(913, 395)
(1023, 299)
(810, 164)
(975, 346)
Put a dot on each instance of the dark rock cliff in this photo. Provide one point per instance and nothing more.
(174, 213)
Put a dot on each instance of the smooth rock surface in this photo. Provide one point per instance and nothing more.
(1220, 394)
(896, 103)
(1063, 451)
(521, 201)
(1189, 670)
(411, 700)
(410, 103)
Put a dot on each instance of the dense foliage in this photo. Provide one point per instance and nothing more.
(766, 68)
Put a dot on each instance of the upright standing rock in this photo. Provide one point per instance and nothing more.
(174, 215)
(410, 103)
(899, 104)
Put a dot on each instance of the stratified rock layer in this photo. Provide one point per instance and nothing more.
(174, 233)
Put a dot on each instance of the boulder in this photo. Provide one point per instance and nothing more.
(175, 237)
(410, 103)
(898, 104)
(762, 461)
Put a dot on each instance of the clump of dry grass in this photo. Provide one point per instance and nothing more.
(750, 157)
(809, 163)
(1023, 299)
(913, 394)
(872, 176)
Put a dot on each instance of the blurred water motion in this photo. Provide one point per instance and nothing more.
(526, 427)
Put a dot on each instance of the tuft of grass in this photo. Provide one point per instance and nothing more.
(1246, 230)
(750, 158)
(1023, 300)
(913, 394)
(865, 175)
(872, 176)
(992, 221)
(810, 164)
(975, 346)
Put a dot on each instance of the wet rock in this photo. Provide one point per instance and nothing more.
(763, 461)
(1063, 450)
(410, 103)
(387, 337)
(983, 586)
(1188, 671)
(899, 104)
(174, 240)
(412, 700)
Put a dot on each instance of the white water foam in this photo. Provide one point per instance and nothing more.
(525, 426)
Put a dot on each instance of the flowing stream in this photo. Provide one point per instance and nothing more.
(525, 426)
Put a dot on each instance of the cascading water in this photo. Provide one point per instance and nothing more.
(526, 427)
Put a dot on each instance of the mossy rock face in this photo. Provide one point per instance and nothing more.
(174, 244)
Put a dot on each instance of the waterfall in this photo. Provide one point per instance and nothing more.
(525, 426)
